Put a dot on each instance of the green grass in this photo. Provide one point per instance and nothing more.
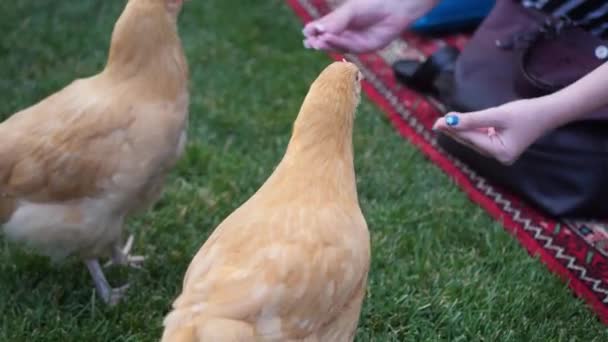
(442, 269)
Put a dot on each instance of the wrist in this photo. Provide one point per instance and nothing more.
(557, 109)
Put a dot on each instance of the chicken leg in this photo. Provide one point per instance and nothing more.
(122, 256)
(109, 295)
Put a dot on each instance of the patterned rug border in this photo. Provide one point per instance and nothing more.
(531, 235)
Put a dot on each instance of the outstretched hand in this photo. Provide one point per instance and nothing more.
(360, 26)
(503, 132)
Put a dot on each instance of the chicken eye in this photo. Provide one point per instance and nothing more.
(359, 76)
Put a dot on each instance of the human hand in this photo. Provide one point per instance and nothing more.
(360, 26)
(502, 132)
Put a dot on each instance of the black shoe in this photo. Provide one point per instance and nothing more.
(421, 76)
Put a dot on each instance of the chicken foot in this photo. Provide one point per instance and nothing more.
(122, 256)
(110, 296)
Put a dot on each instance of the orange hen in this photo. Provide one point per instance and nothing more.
(75, 165)
(291, 263)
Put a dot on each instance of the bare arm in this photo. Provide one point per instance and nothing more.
(504, 132)
(579, 100)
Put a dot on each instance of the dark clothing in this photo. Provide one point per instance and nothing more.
(590, 14)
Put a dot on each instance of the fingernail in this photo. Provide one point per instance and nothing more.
(451, 120)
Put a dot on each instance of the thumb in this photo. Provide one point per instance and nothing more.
(334, 22)
(492, 117)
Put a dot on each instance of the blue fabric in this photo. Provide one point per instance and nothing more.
(454, 14)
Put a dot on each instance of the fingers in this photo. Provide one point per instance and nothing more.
(313, 29)
(489, 145)
(345, 42)
(477, 130)
(334, 22)
(318, 44)
(332, 42)
(492, 117)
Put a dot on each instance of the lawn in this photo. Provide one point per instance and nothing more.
(442, 269)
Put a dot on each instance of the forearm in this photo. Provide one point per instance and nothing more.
(577, 101)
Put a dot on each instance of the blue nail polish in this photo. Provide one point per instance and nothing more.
(451, 120)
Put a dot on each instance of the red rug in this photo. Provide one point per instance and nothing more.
(577, 251)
